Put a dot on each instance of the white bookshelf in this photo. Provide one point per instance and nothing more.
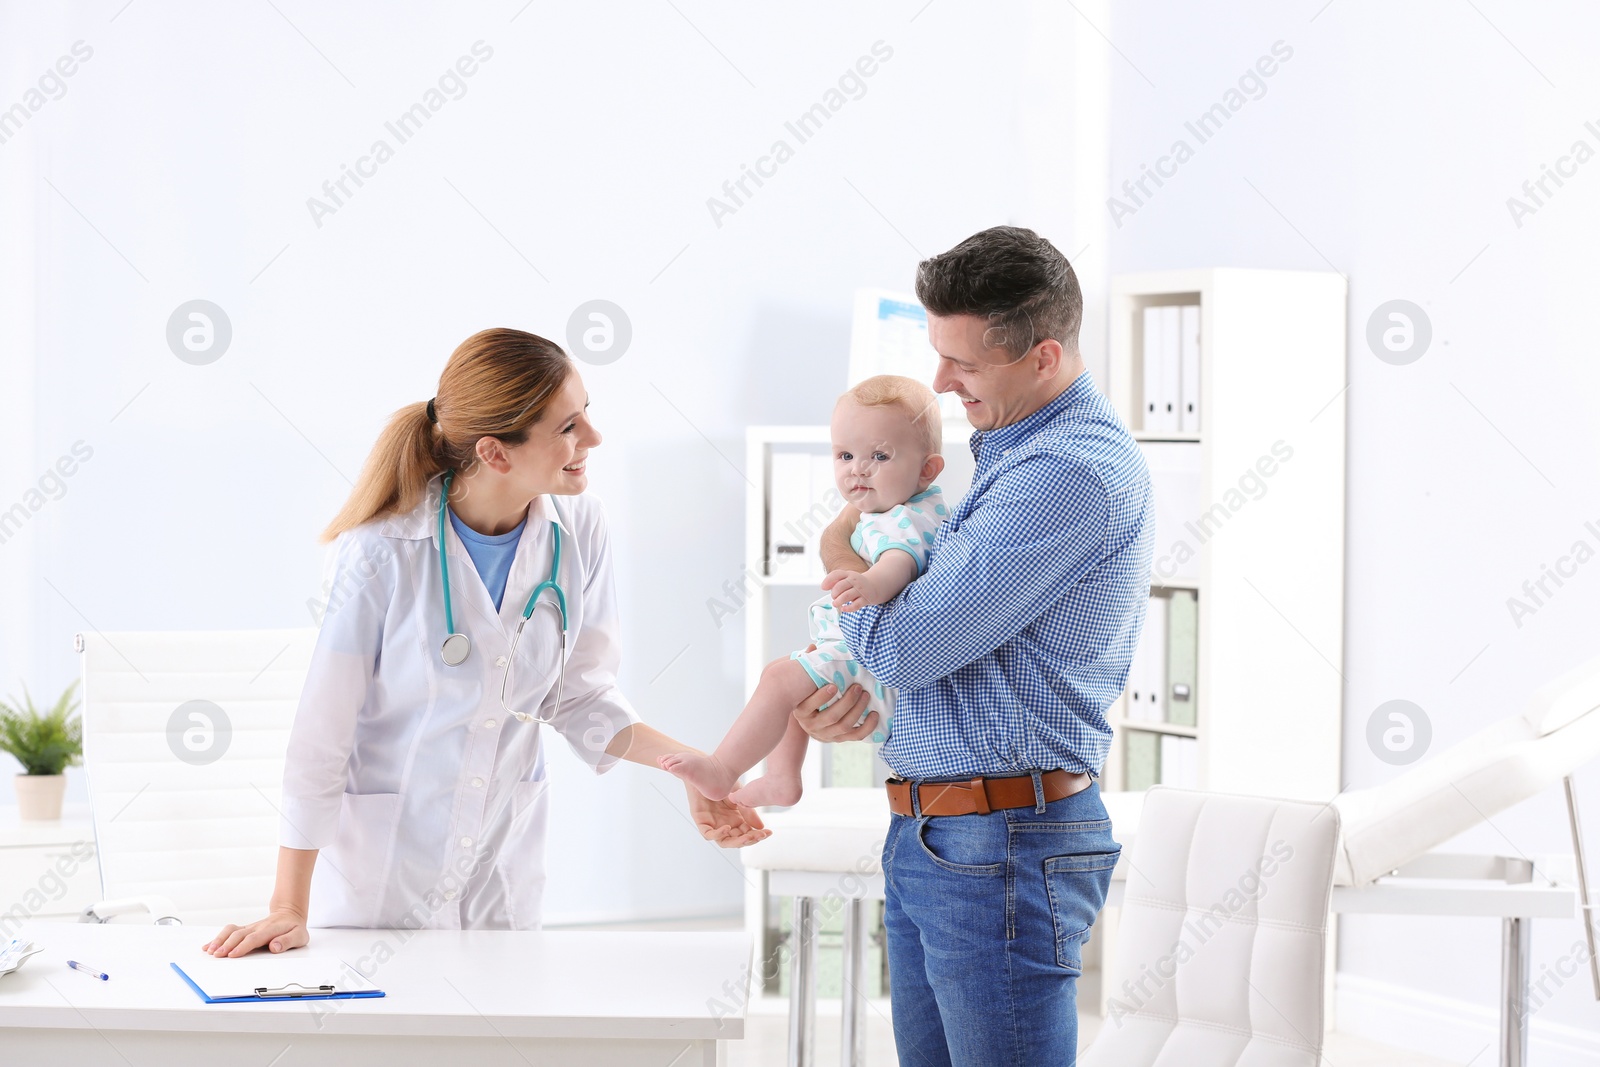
(1269, 585)
(1270, 580)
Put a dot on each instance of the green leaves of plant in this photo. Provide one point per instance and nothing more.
(44, 742)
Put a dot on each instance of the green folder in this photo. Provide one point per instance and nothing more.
(1183, 654)
(1143, 751)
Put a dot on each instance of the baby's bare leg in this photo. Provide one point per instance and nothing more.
(781, 783)
(756, 732)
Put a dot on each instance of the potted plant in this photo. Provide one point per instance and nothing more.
(45, 743)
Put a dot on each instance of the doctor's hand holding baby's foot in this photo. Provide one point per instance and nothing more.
(764, 730)
(724, 823)
(705, 773)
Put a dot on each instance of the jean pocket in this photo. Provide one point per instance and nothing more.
(1077, 885)
(958, 845)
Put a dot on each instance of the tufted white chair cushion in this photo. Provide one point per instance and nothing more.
(1220, 951)
(205, 836)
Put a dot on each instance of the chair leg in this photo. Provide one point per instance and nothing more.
(1515, 948)
(1585, 908)
(803, 983)
(852, 1019)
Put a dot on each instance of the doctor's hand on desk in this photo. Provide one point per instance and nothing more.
(282, 930)
(285, 925)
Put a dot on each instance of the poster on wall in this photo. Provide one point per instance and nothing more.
(889, 335)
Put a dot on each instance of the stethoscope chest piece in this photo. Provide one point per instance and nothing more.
(457, 646)
(454, 650)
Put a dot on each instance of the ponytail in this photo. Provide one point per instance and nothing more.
(497, 383)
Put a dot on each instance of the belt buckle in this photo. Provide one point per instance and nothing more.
(979, 790)
(889, 788)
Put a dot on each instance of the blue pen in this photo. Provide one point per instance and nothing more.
(75, 965)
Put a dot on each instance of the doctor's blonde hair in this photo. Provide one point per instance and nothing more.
(497, 383)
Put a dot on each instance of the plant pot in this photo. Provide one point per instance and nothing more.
(39, 796)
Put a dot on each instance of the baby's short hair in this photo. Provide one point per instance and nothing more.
(913, 399)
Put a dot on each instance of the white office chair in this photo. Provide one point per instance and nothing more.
(1220, 952)
(184, 737)
(1387, 861)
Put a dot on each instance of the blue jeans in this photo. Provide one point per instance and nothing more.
(986, 918)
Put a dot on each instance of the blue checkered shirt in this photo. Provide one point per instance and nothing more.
(1010, 647)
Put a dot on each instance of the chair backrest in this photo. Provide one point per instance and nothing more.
(1448, 793)
(184, 741)
(1220, 952)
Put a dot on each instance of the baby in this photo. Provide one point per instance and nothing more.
(886, 441)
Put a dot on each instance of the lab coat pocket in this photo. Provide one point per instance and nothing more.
(523, 861)
(359, 860)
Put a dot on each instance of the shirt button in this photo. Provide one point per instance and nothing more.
(477, 783)
(500, 662)
(449, 894)
(488, 724)
(466, 842)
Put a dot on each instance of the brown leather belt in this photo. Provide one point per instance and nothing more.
(980, 796)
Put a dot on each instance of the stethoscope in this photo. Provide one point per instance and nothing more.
(457, 645)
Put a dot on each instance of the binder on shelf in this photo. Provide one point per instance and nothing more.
(822, 490)
(1183, 656)
(1180, 761)
(1151, 357)
(788, 499)
(1175, 475)
(1147, 672)
(1142, 754)
(1171, 367)
(1189, 369)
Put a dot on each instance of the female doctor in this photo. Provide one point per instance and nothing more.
(472, 601)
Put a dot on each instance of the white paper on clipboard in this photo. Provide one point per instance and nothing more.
(240, 977)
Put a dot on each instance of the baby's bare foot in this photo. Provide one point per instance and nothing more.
(703, 772)
(768, 789)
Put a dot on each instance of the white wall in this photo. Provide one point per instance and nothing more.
(1386, 147)
(178, 165)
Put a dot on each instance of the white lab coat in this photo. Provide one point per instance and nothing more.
(427, 801)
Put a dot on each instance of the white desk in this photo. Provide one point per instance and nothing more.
(48, 870)
(481, 997)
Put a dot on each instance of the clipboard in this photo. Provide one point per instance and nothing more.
(287, 991)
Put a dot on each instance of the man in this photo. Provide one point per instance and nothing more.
(1005, 653)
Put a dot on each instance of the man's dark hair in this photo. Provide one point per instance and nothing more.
(1014, 279)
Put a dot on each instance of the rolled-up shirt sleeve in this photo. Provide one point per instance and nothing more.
(593, 707)
(1039, 529)
(316, 764)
